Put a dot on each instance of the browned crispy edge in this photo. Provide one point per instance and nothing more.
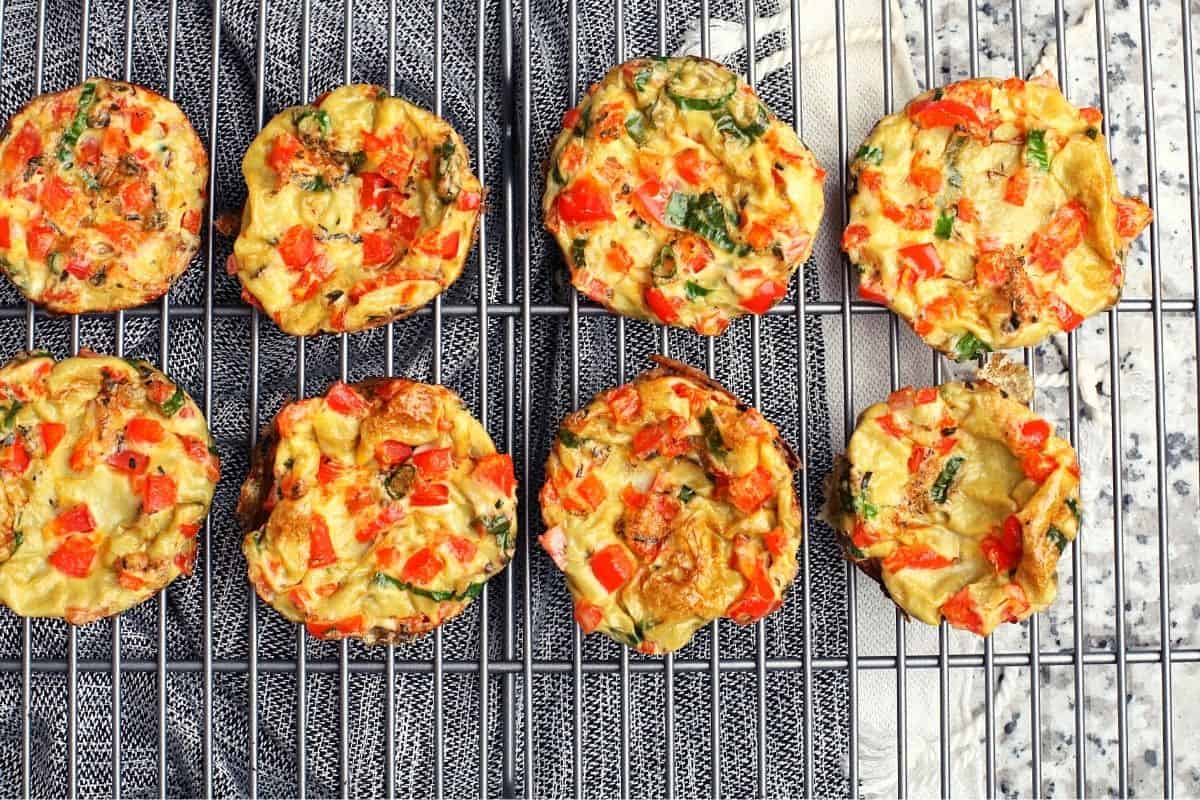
(182, 258)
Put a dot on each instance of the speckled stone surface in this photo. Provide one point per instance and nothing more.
(1157, 466)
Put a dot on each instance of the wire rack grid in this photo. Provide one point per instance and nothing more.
(506, 664)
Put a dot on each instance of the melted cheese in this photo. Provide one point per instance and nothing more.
(669, 509)
(400, 559)
(678, 197)
(101, 194)
(1013, 189)
(383, 195)
(933, 479)
(69, 420)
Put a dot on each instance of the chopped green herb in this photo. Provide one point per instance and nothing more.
(937, 94)
(677, 209)
(314, 183)
(585, 120)
(1057, 537)
(1035, 149)
(640, 79)
(448, 185)
(499, 526)
(695, 291)
(664, 264)
(1092, 133)
(686, 493)
(439, 595)
(854, 551)
(10, 414)
(635, 126)
(310, 118)
(89, 181)
(712, 433)
(941, 486)
(70, 137)
(727, 125)
(172, 404)
(578, 248)
(356, 160)
(1073, 504)
(568, 438)
(757, 126)
(871, 154)
(945, 225)
(706, 217)
(969, 346)
(400, 481)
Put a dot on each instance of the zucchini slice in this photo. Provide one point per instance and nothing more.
(701, 86)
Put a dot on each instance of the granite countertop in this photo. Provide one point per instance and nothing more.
(1139, 493)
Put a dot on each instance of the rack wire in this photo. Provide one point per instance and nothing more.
(512, 322)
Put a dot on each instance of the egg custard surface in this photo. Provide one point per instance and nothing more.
(377, 511)
(361, 209)
(987, 215)
(108, 473)
(102, 190)
(678, 197)
(959, 500)
(668, 504)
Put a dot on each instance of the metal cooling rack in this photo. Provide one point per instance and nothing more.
(511, 189)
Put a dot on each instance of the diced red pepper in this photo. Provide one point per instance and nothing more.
(1068, 318)
(320, 547)
(158, 493)
(39, 239)
(1058, 237)
(328, 470)
(649, 200)
(374, 192)
(434, 462)
(889, 424)
(468, 201)
(617, 258)
(661, 305)
(190, 221)
(377, 248)
(135, 196)
(52, 433)
(15, 457)
(463, 549)
(592, 490)
(690, 166)
(943, 114)
(927, 394)
(141, 429)
(129, 462)
(960, 611)
(647, 440)
(496, 469)
(391, 452)
(5, 233)
(189, 530)
(757, 600)
(625, 403)
(56, 194)
(74, 556)
(297, 247)
(775, 541)
(283, 153)
(571, 118)
(344, 400)
(612, 566)
(1003, 551)
(748, 492)
(766, 294)
(923, 259)
(915, 557)
(584, 202)
(1034, 433)
(445, 248)
(917, 457)
(966, 209)
(554, 542)
(1132, 216)
(76, 519)
(1016, 188)
(632, 498)
(430, 494)
(854, 235)
(1038, 466)
(588, 615)
(396, 167)
(422, 566)
(926, 178)
(24, 146)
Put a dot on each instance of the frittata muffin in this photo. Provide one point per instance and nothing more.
(678, 197)
(668, 504)
(376, 511)
(959, 500)
(108, 472)
(987, 215)
(361, 208)
(102, 189)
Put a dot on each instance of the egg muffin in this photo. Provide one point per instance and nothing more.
(361, 208)
(668, 504)
(101, 194)
(987, 215)
(108, 472)
(377, 511)
(678, 197)
(959, 500)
